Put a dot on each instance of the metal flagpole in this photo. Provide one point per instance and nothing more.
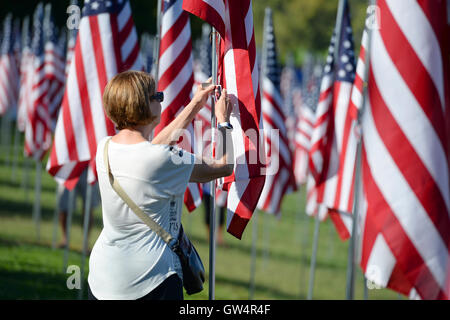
(26, 176)
(15, 154)
(55, 217)
(37, 199)
(87, 216)
(212, 214)
(70, 209)
(157, 43)
(312, 269)
(350, 288)
(251, 293)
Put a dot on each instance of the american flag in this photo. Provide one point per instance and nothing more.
(107, 44)
(302, 140)
(334, 140)
(38, 121)
(234, 22)
(55, 58)
(176, 79)
(25, 75)
(9, 68)
(279, 177)
(305, 99)
(405, 155)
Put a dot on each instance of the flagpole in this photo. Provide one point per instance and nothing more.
(55, 216)
(87, 216)
(350, 288)
(15, 154)
(312, 269)
(157, 40)
(70, 209)
(251, 293)
(212, 214)
(37, 199)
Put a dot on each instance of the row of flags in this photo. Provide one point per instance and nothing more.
(402, 122)
(402, 126)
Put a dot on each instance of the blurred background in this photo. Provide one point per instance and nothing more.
(31, 267)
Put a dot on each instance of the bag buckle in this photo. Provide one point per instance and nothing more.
(174, 244)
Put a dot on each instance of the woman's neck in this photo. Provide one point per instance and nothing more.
(131, 136)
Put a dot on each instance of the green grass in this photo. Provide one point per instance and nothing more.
(31, 269)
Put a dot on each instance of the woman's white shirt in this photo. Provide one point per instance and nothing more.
(128, 259)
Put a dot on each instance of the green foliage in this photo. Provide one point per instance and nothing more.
(306, 25)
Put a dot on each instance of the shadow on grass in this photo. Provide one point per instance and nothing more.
(10, 208)
(18, 186)
(34, 285)
(278, 256)
(260, 288)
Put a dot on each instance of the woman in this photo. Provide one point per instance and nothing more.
(129, 261)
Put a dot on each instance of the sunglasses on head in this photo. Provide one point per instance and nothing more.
(158, 96)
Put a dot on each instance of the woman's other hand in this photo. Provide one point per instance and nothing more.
(202, 94)
(223, 107)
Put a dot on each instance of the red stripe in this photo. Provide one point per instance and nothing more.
(207, 13)
(131, 59)
(126, 30)
(84, 95)
(174, 32)
(176, 66)
(409, 163)
(341, 228)
(246, 206)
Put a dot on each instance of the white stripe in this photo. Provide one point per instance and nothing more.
(381, 263)
(248, 20)
(401, 199)
(129, 45)
(341, 112)
(417, 29)
(59, 144)
(241, 171)
(348, 171)
(109, 55)
(170, 17)
(122, 17)
(74, 103)
(410, 116)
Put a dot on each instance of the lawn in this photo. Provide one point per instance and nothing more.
(32, 269)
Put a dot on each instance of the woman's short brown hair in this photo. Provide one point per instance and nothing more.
(126, 99)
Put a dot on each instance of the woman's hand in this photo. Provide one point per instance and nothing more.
(202, 94)
(223, 107)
